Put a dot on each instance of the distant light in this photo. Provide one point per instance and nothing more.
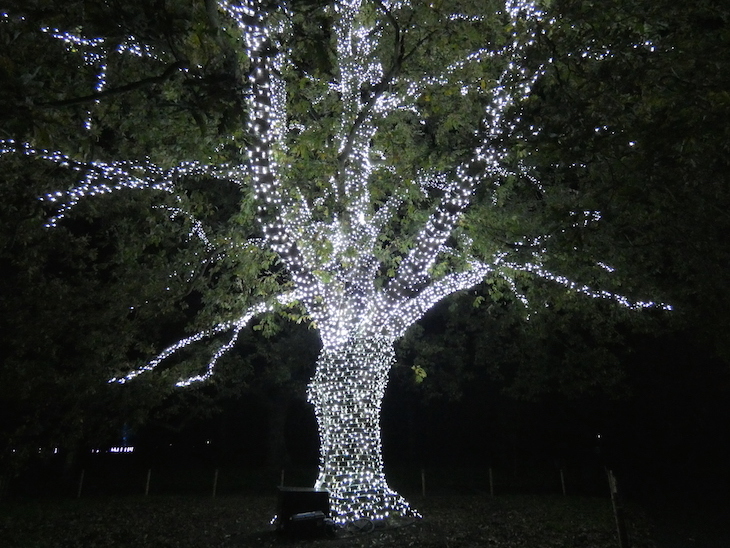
(129, 449)
(115, 449)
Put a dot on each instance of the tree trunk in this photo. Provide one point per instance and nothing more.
(347, 392)
(278, 408)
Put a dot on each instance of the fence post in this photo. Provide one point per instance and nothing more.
(423, 482)
(562, 481)
(215, 482)
(491, 482)
(618, 513)
(147, 484)
(81, 483)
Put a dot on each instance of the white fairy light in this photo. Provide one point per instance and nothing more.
(334, 258)
(95, 53)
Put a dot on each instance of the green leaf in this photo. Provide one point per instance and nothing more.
(419, 373)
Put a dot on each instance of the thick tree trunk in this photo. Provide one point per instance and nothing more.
(278, 408)
(347, 391)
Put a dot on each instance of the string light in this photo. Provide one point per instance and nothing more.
(347, 391)
(334, 257)
(95, 53)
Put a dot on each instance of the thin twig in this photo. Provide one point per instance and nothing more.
(169, 71)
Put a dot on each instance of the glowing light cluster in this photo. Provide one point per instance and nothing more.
(347, 391)
(334, 256)
(119, 449)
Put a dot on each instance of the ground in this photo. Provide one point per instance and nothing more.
(240, 521)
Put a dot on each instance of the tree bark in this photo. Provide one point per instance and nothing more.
(347, 392)
(277, 454)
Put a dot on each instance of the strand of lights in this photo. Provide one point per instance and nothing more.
(235, 326)
(360, 69)
(197, 230)
(99, 178)
(347, 392)
(513, 287)
(280, 219)
(513, 84)
(413, 309)
(584, 289)
(95, 53)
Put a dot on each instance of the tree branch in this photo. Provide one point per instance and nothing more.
(378, 90)
(570, 285)
(412, 275)
(166, 75)
(414, 308)
(394, 23)
(235, 326)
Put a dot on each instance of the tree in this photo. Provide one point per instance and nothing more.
(373, 178)
(646, 127)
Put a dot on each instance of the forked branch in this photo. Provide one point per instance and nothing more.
(234, 326)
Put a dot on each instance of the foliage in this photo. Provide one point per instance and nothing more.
(640, 137)
(352, 166)
(54, 371)
(160, 103)
(634, 133)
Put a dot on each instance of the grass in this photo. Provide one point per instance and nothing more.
(236, 521)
